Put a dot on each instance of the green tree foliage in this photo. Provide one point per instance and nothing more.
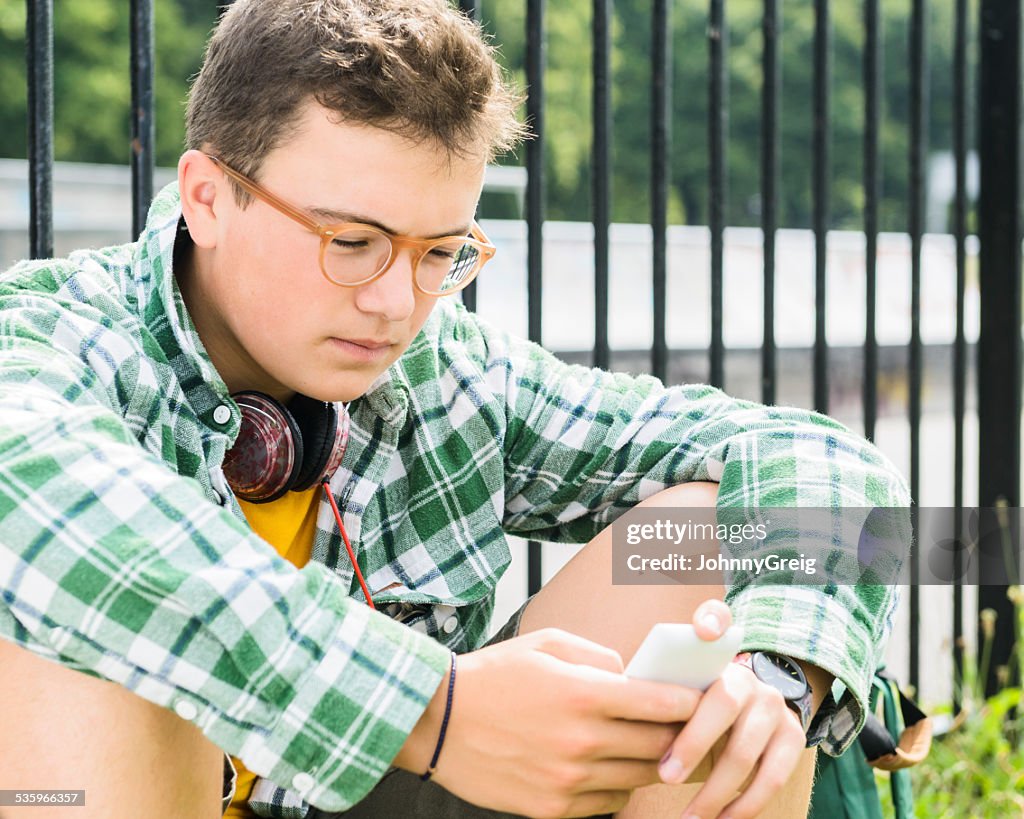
(92, 88)
(92, 98)
(568, 106)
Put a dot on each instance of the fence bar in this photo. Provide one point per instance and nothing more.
(661, 134)
(472, 10)
(468, 294)
(960, 115)
(143, 139)
(999, 353)
(872, 186)
(718, 126)
(770, 92)
(822, 192)
(915, 212)
(536, 49)
(601, 174)
(536, 53)
(39, 61)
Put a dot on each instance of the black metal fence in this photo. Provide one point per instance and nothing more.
(996, 39)
(998, 217)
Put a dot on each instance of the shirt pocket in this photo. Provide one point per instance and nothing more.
(444, 587)
(453, 621)
(429, 618)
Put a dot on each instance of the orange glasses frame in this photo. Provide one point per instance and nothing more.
(420, 247)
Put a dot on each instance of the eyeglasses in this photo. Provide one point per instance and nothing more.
(353, 254)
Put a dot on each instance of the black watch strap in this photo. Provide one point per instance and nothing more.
(786, 676)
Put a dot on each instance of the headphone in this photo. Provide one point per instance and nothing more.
(284, 448)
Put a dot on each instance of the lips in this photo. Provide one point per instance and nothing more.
(368, 343)
(365, 350)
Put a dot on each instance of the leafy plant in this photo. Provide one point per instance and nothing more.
(976, 769)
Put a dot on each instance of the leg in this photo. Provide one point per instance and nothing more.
(66, 730)
(581, 599)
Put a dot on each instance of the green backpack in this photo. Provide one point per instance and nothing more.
(845, 786)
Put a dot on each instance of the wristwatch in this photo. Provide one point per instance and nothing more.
(784, 675)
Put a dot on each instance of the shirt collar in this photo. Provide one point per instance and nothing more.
(164, 313)
(388, 397)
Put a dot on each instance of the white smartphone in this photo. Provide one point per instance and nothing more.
(672, 652)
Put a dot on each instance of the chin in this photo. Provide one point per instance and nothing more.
(341, 392)
(330, 383)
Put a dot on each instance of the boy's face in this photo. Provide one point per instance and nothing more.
(268, 317)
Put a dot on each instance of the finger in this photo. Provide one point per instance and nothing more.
(748, 738)
(645, 700)
(711, 619)
(780, 759)
(625, 739)
(575, 649)
(619, 775)
(717, 710)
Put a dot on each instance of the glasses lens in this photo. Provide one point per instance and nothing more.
(448, 266)
(352, 256)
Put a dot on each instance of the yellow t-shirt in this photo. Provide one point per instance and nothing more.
(289, 525)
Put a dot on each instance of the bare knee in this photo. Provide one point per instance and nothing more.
(791, 802)
(68, 731)
(693, 494)
(580, 597)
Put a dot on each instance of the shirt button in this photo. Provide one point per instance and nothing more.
(450, 624)
(303, 782)
(185, 710)
(222, 414)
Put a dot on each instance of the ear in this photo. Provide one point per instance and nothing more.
(201, 183)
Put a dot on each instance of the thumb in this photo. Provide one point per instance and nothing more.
(711, 619)
(572, 648)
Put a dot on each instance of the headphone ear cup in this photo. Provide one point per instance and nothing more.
(317, 422)
(300, 451)
(262, 464)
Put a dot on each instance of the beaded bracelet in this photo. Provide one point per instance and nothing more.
(444, 725)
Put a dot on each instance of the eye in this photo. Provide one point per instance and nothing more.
(349, 244)
(443, 252)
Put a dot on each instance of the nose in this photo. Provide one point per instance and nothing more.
(391, 296)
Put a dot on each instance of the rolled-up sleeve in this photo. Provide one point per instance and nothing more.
(583, 446)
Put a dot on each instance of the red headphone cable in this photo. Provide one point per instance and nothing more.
(348, 545)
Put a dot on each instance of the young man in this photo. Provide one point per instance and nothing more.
(322, 217)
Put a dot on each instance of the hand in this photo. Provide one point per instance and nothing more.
(765, 738)
(546, 724)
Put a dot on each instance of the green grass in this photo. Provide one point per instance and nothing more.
(976, 770)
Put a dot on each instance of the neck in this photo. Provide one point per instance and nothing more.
(193, 269)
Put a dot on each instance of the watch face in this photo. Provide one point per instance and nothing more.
(782, 674)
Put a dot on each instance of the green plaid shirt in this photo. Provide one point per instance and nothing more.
(122, 555)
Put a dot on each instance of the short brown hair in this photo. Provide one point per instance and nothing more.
(418, 68)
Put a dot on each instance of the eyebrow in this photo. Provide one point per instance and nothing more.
(334, 217)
